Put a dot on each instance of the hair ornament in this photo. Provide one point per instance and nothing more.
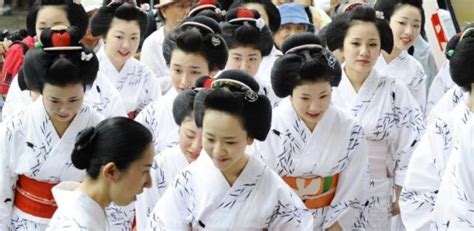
(260, 23)
(38, 44)
(467, 33)
(450, 52)
(379, 15)
(78, 2)
(197, 24)
(215, 41)
(235, 85)
(332, 61)
(86, 57)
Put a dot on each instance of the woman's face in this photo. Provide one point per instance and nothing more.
(49, 16)
(361, 48)
(247, 59)
(311, 100)
(63, 103)
(121, 41)
(175, 13)
(186, 68)
(131, 181)
(190, 137)
(406, 26)
(224, 140)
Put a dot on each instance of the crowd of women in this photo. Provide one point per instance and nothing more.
(255, 115)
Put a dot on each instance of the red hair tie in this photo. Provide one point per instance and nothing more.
(244, 13)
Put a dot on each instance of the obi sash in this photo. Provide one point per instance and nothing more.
(35, 197)
(315, 192)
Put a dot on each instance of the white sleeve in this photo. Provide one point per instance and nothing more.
(16, 100)
(410, 125)
(421, 185)
(454, 209)
(151, 91)
(7, 178)
(152, 55)
(289, 212)
(440, 85)
(346, 207)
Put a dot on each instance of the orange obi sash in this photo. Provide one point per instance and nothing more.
(34, 197)
(315, 192)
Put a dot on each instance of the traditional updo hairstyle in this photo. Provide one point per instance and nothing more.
(60, 62)
(235, 92)
(462, 61)
(208, 8)
(453, 42)
(304, 60)
(274, 18)
(187, 101)
(245, 28)
(117, 139)
(76, 14)
(337, 29)
(198, 35)
(124, 10)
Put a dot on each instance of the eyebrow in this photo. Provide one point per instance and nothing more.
(121, 32)
(225, 138)
(54, 98)
(416, 20)
(148, 165)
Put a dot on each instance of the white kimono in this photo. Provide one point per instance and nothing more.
(440, 85)
(454, 209)
(448, 102)
(427, 166)
(293, 151)
(137, 85)
(407, 70)
(164, 170)
(158, 118)
(30, 146)
(16, 100)
(202, 199)
(393, 124)
(152, 56)
(76, 210)
(105, 98)
(263, 75)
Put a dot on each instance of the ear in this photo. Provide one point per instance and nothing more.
(110, 172)
(249, 140)
(163, 11)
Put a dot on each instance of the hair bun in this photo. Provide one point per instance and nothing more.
(81, 153)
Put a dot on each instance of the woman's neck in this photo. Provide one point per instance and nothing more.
(168, 28)
(233, 172)
(118, 66)
(96, 191)
(390, 57)
(357, 79)
(470, 101)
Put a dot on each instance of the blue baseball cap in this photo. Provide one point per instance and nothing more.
(294, 13)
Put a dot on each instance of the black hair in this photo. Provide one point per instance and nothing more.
(462, 61)
(208, 8)
(117, 139)
(255, 114)
(274, 18)
(453, 42)
(307, 64)
(58, 67)
(76, 14)
(337, 29)
(191, 38)
(388, 7)
(102, 19)
(246, 33)
(183, 105)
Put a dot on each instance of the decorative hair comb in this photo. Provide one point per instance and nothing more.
(197, 24)
(235, 85)
(245, 15)
(59, 38)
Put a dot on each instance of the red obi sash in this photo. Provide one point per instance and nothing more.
(34, 197)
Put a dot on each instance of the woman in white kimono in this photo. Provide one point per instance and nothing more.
(454, 209)
(117, 155)
(429, 159)
(43, 14)
(121, 25)
(406, 20)
(249, 40)
(225, 188)
(196, 50)
(308, 130)
(391, 118)
(171, 161)
(34, 143)
(172, 12)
